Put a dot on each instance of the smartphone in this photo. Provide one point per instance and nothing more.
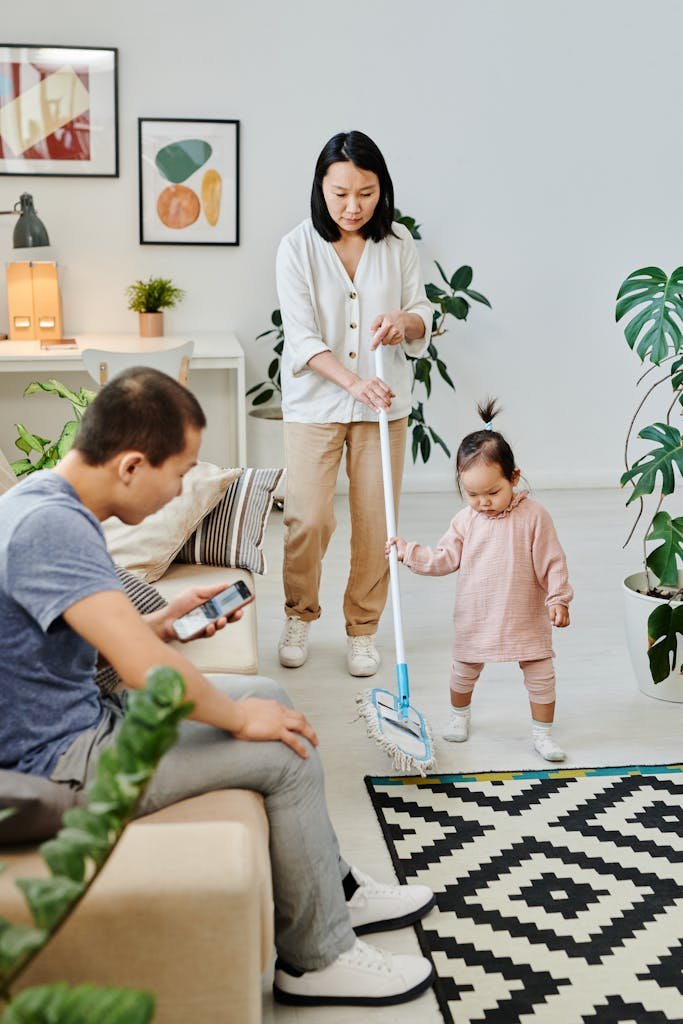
(225, 603)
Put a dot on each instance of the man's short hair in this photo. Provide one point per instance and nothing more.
(140, 409)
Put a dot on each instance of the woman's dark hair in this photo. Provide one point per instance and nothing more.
(360, 150)
(486, 445)
(140, 410)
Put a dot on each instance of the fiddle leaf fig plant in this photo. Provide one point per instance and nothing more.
(78, 853)
(453, 300)
(49, 452)
(654, 302)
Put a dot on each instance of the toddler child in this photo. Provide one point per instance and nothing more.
(512, 581)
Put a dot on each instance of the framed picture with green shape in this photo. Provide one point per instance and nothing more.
(189, 181)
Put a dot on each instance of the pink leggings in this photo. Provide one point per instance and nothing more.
(539, 678)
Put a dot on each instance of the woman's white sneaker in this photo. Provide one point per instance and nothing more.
(363, 976)
(375, 907)
(362, 657)
(293, 646)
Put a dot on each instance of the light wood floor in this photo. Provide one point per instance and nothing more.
(602, 719)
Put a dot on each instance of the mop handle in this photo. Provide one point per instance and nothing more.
(390, 515)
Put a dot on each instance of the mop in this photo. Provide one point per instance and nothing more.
(392, 721)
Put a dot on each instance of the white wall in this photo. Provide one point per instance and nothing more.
(537, 141)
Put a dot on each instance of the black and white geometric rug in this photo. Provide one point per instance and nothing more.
(559, 893)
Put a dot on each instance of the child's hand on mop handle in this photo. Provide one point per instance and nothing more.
(399, 544)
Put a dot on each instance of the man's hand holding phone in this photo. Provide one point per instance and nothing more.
(162, 621)
(220, 605)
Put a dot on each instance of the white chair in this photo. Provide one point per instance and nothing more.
(102, 363)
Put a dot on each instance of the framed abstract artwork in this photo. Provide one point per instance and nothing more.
(58, 111)
(189, 181)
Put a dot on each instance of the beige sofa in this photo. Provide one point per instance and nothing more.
(183, 908)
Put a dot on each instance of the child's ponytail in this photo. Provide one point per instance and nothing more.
(488, 410)
(487, 444)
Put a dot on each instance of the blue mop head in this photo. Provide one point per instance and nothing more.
(400, 730)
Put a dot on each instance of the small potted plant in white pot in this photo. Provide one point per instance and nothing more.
(149, 299)
(654, 596)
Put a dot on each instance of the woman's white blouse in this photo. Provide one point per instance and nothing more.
(322, 309)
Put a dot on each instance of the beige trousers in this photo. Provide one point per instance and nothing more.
(313, 452)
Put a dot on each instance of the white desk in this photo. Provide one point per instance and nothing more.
(214, 350)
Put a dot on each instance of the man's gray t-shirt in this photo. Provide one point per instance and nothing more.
(52, 554)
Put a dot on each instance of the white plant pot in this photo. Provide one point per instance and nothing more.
(637, 608)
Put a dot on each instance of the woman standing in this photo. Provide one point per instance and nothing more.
(348, 280)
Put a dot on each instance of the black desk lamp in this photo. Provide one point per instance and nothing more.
(29, 231)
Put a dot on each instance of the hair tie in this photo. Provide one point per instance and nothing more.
(489, 425)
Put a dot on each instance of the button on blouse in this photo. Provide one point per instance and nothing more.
(324, 310)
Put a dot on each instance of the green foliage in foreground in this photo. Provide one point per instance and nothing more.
(77, 854)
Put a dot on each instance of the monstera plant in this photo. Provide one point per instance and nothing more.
(653, 302)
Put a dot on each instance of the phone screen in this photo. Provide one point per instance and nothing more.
(228, 600)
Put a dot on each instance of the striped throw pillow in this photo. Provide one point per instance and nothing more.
(146, 599)
(232, 534)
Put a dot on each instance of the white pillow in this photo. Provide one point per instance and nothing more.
(7, 477)
(149, 547)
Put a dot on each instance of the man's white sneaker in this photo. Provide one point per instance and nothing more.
(378, 908)
(362, 657)
(546, 746)
(363, 976)
(458, 728)
(293, 646)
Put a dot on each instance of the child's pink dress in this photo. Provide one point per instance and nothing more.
(511, 570)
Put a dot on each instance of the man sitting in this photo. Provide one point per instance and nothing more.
(61, 603)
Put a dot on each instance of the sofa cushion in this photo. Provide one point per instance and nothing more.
(232, 534)
(149, 547)
(233, 649)
(39, 805)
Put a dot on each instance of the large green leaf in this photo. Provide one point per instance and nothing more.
(16, 940)
(664, 560)
(664, 625)
(434, 293)
(409, 222)
(660, 460)
(461, 278)
(66, 438)
(85, 1004)
(30, 440)
(56, 387)
(654, 331)
(22, 467)
(49, 898)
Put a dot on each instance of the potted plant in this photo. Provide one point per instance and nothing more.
(654, 596)
(149, 298)
(451, 300)
(48, 453)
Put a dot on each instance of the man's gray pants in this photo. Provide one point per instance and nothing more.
(312, 925)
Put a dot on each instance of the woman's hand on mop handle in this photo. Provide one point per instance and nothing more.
(373, 392)
(388, 329)
(399, 544)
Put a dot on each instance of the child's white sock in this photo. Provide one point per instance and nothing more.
(458, 728)
(544, 743)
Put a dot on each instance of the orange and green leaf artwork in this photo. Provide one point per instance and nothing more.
(178, 205)
(189, 181)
